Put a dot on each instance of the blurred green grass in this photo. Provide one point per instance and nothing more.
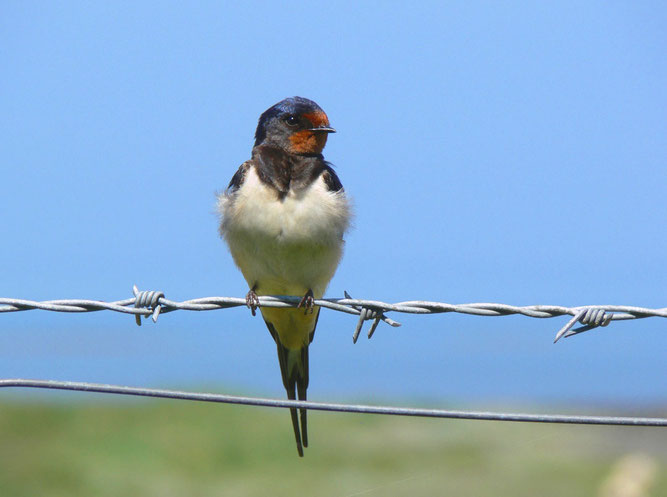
(156, 448)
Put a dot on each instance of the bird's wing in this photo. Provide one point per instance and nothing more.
(239, 177)
(331, 178)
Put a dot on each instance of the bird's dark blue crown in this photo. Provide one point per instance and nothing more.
(293, 105)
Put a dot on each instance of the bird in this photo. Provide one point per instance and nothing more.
(283, 216)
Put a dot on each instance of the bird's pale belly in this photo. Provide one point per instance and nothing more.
(286, 247)
(276, 267)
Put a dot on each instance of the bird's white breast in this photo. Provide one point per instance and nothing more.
(312, 214)
(286, 246)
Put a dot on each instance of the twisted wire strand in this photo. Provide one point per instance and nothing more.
(152, 303)
(321, 406)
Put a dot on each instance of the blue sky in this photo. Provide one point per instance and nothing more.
(496, 152)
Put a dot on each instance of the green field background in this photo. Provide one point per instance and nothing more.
(175, 448)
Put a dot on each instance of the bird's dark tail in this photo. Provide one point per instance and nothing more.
(294, 370)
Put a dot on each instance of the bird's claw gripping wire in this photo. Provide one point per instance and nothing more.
(307, 302)
(590, 317)
(149, 300)
(366, 313)
(252, 301)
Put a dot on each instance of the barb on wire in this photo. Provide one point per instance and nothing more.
(154, 303)
(366, 313)
(149, 300)
(321, 406)
(591, 317)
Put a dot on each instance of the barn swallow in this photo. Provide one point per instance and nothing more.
(283, 217)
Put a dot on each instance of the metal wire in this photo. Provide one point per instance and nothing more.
(149, 303)
(320, 406)
(152, 303)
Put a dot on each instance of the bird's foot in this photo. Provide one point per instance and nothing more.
(252, 301)
(307, 302)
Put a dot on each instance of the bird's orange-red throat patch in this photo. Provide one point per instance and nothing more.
(308, 142)
(318, 119)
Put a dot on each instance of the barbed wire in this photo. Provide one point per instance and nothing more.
(321, 406)
(153, 303)
(150, 303)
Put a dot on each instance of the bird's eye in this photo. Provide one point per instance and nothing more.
(292, 120)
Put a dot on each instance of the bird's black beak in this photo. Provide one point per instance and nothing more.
(323, 129)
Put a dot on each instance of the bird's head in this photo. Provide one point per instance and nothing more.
(297, 125)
